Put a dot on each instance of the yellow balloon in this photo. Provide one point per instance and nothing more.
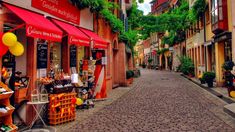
(79, 101)
(232, 94)
(17, 50)
(9, 39)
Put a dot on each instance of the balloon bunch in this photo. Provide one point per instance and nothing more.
(9, 41)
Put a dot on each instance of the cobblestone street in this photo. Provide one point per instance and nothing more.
(159, 101)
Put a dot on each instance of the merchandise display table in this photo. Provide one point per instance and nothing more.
(38, 112)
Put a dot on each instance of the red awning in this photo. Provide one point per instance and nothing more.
(37, 26)
(98, 42)
(75, 36)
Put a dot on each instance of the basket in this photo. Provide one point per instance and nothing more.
(34, 96)
(21, 93)
(44, 96)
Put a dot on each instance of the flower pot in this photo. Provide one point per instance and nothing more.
(202, 81)
(230, 88)
(210, 84)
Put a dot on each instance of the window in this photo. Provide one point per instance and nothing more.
(214, 11)
(228, 50)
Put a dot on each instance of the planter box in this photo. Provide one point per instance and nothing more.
(129, 81)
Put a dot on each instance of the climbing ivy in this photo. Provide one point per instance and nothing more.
(177, 21)
(103, 8)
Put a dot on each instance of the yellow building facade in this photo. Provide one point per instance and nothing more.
(212, 46)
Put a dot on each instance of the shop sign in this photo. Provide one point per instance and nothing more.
(73, 56)
(35, 32)
(59, 8)
(42, 55)
(75, 40)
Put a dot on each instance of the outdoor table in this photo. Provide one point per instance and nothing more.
(38, 112)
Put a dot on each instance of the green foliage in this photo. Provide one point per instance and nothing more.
(169, 39)
(133, 17)
(228, 65)
(103, 8)
(129, 74)
(130, 38)
(115, 23)
(176, 20)
(150, 60)
(199, 7)
(162, 51)
(208, 76)
(186, 65)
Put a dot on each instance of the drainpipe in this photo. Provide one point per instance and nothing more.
(204, 26)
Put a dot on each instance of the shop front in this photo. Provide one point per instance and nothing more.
(21, 69)
(97, 54)
(223, 53)
(63, 66)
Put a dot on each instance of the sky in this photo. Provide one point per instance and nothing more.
(145, 6)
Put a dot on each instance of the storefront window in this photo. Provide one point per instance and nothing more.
(55, 56)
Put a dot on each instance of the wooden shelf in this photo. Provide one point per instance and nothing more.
(5, 100)
(9, 112)
(14, 128)
(6, 95)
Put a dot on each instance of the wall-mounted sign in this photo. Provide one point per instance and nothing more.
(59, 8)
(73, 56)
(42, 55)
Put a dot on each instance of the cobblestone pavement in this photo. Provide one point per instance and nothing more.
(159, 101)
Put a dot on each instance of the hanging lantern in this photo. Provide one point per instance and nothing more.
(9, 39)
(17, 50)
(3, 48)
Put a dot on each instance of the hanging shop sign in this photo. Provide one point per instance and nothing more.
(73, 56)
(42, 55)
(59, 8)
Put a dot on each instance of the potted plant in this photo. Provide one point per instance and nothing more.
(227, 67)
(144, 65)
(202, 80)
(129, 77)
(150, 60)
(209, 77)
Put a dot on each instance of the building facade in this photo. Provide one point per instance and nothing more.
(68, 21)
(211, 45)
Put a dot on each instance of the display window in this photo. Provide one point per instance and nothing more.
(55, 56)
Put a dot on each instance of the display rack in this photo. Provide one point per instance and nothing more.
(6, 117)
(61, 109)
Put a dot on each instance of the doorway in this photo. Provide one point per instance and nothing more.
(115, 65)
